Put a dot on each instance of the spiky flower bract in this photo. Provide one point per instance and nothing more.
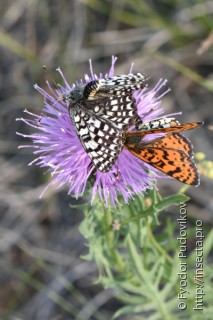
(58, 148)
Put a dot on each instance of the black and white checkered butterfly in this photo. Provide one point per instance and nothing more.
(101, 111)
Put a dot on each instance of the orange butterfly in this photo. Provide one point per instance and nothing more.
(172, 154)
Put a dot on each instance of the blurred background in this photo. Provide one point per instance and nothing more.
(40, 243)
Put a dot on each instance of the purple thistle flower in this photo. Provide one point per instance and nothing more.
(58, 148)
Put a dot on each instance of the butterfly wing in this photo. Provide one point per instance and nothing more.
(132, 136)
(175, 163)
(173, 141)
(115, 86)
(120, 111)
(100, 111)
(112, 99)
(101, 140)
(172, 154)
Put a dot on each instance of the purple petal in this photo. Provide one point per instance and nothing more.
(58, 148)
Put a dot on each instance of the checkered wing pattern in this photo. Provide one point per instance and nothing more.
(121, 112)
(117, 86)
(101, 110)
(102, 141)
(112, 99)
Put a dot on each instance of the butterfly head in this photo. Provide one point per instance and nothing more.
(75, 95)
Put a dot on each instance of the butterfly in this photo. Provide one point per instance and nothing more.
(171, 154)
(101, 111)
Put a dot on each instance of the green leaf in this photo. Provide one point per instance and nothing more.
(191, 74)
(174, 199)
(16, 47)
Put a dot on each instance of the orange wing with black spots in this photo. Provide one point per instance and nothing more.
(174, 163)
(171, 154)
(174, 141)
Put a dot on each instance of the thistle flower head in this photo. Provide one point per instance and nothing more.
(58, 148)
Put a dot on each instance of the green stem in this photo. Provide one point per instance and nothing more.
(119, 265)
(156, 244)
(143, 274)
(189, 73)
(184, 188)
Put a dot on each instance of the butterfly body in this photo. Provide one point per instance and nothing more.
(158, 124)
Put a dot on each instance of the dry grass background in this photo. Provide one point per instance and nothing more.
(40, 244)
